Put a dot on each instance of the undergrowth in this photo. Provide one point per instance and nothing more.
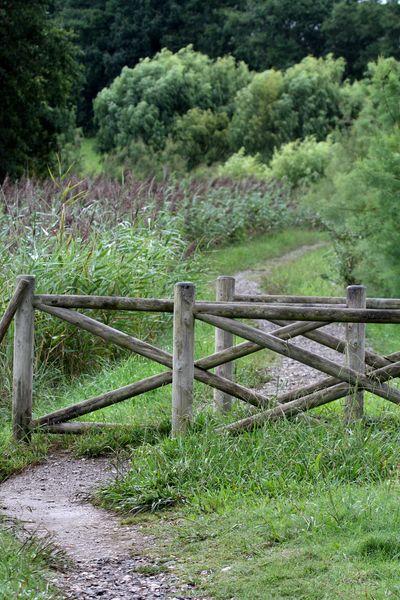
(23, 567)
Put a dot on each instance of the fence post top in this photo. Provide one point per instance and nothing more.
(225, 277)
(28, 280)
(184, 284)
(357, 286)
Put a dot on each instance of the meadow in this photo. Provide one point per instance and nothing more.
(301, 509)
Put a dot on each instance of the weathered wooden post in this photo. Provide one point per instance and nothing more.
(23, 362)
(183, 358)
(225, 292)
(355, 338)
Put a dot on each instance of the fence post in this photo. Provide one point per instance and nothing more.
(225, 292)
(23, 362)
(183, 358)
(355, 339)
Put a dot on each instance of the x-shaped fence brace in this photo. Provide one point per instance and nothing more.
(341, 381)
(338, 385)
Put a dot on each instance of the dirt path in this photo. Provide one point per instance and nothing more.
(286, 374)
(107, 557)
(52, 498)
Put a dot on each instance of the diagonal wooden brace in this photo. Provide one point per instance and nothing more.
(307, 402)
(111, 335)
(306, 357)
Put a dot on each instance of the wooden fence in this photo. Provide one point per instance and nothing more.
(293, 315)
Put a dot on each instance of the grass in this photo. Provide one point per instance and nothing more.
(23, 568)
(298, 509)
(148, 416)
(337, 544)
(90, 158)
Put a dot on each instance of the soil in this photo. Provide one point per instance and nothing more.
(107, 559)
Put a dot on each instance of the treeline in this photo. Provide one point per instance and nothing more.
(263, 33)
(183, 110)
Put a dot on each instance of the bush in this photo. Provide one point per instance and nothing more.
(263, 117)
(301, 162)
(313, 86)
(243, 166)
(362, 186)
(201, 137)
(143, 103)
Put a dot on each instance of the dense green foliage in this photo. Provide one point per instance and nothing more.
(362, 185)
(23, 568)
(143, 105)
(38, 74)
(264, 34)
(188, 107)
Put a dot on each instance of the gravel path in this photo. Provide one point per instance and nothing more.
(286, 374)
(107, 558)
(104, 556)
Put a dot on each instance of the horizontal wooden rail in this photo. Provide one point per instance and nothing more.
(264, 311)
(105, 302)
(79, 427)
(306, 357)
(308, 300)
(12, 307)
(165, 305)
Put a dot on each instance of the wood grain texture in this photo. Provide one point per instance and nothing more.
(355, 341)
(23, 361)
(225, 290)
(254, 310)
(12, 307)
(183, 358)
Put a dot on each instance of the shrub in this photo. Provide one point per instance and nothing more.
(313, 86)
(263, 117)
(144, 102)
(201, 137)
(301, 161)
(243, 166)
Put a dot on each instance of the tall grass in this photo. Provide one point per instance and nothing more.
(130, 238)
(212, 472)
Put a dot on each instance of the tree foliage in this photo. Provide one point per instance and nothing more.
(278, 107)
(144, 103)
(362, 185)
(263, 118)
(38, 75)
(265, 34)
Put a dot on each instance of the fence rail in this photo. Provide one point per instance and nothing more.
(293, 316)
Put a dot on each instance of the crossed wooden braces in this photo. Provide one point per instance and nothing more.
(294, 316)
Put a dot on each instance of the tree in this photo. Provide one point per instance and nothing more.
(362, 185)
(362, 31)
(314, 87)
(115, 34)
(276, 33)
(143, 103)
(38, 75)
(264, 117)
